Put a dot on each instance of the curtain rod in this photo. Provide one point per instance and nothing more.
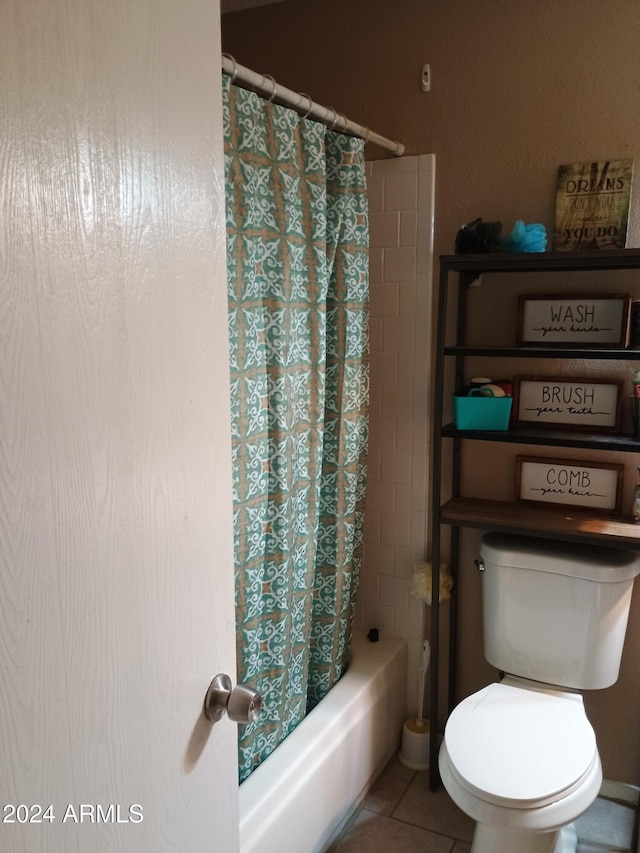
(266, 85)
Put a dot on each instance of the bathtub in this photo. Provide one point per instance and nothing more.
(302, 795)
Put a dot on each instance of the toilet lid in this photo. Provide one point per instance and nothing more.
(518, 747)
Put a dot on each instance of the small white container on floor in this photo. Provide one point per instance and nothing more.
(414, 752)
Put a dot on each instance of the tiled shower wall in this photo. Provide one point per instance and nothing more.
(401, 194)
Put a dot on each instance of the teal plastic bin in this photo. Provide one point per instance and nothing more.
(481, 413)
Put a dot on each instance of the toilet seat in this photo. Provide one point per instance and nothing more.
(521, 746)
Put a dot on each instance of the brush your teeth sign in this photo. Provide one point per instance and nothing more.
(568, 403)
(573, 320)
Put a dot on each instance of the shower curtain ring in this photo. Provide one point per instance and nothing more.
(304, 95)
(273, 87)
(345, 120)
(335, 118)
(234, 70)
(368, 134)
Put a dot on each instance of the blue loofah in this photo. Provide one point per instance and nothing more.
(525, 238)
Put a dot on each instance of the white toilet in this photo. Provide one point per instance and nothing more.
(520, 756)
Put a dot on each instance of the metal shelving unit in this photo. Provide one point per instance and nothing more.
(461, 271)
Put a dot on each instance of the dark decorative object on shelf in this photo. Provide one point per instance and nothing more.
(479, 237)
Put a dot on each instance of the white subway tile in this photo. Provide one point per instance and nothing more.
(395, 165)
(422, 394)
(426, 162)
(423, 294)
(379, 559)
(422, 351)
(418, 532)
(373, 465)
(419, 502)
(384, 368)
(382, 433)
(395, 529)
(396, 467)
(406, 366)
(375, 400)
(419, 435)
(371, 528)
(424, 276)
(420, 462)
(397, 400)
(397, 334)
(408, 227)
(419, 473)
(401, 192)
(375, 193)
(403, 563)
(376, 261)
(394, 592)
(401, 622)
(376, 330)
(384, 229)
(404, 434)
(407, 299)
(399, 264)
(416, 618)
(368, 589)
(402, 503)
(381, 498)
(384, 300)
(426, 192)
(377, 616)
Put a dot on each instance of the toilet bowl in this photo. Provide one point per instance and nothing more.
(520, 756)
(521, 759)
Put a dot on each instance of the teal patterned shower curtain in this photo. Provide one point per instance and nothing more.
(297, 256)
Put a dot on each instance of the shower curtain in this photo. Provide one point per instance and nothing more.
(297, 255)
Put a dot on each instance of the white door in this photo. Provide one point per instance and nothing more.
(116, 579)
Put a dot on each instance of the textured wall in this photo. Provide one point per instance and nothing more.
(517, 90)
(517, 87)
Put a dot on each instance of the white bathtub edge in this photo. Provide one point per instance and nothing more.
(306, 790)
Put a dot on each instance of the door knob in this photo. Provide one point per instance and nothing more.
(241, 703)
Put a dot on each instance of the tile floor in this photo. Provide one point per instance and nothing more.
(401, 815)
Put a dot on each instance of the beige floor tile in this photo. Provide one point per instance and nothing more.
(389, 788)
(401, 815)
(375, 833)
(433, 810)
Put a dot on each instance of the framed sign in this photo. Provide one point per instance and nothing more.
(568, 403)
(582, 485)
(589, 320)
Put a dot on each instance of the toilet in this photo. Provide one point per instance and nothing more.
(520, 756)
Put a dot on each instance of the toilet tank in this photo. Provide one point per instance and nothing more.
(556, 611)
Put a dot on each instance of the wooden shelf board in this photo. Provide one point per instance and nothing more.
(615, 353)
(539, 521)
(623, 442)
(543, 261)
